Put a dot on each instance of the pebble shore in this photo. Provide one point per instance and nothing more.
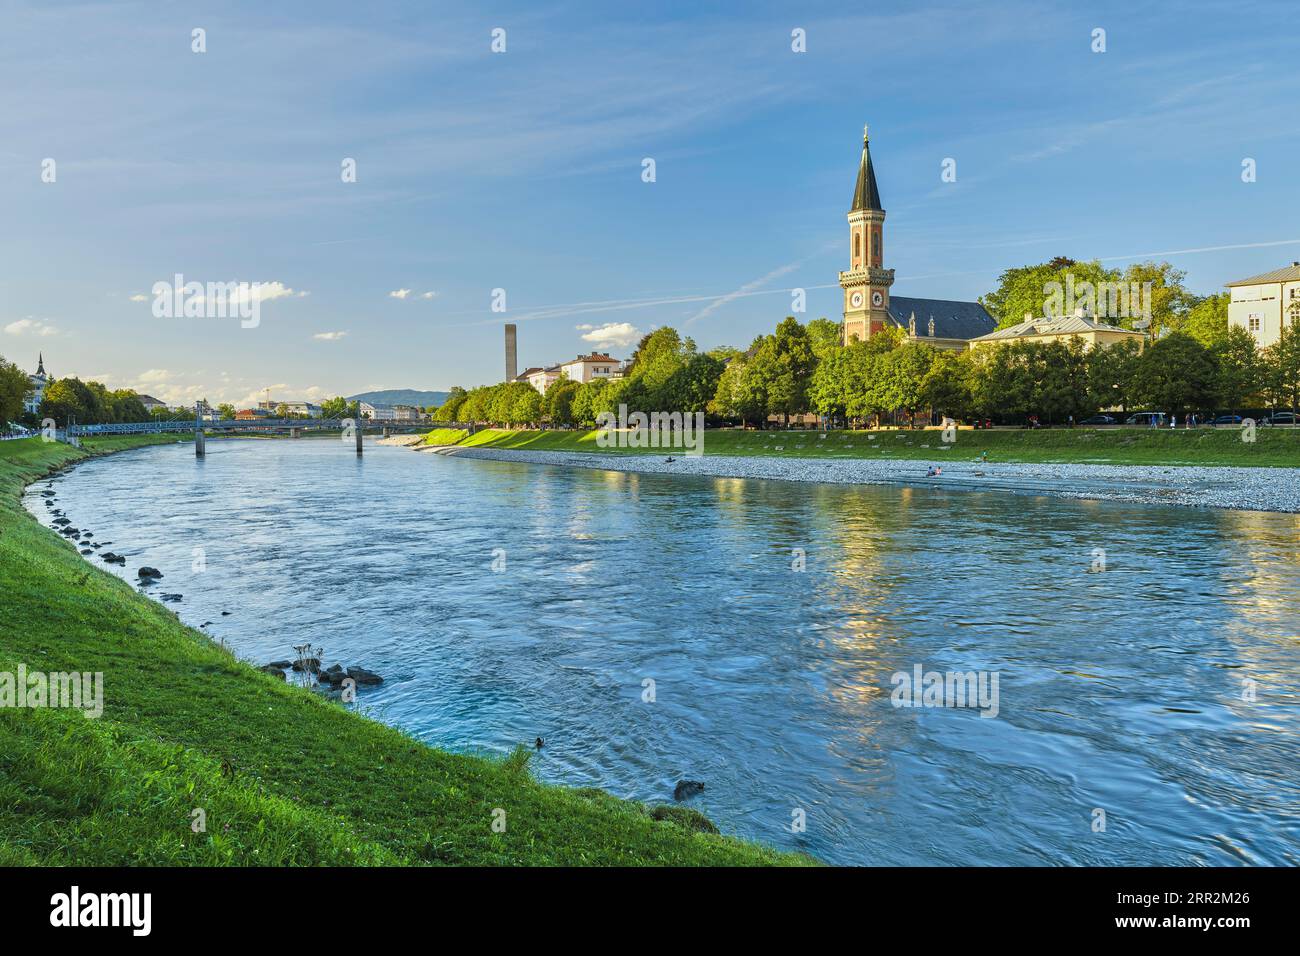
(1246, 489)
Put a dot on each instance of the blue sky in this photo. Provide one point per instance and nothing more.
(522, 170)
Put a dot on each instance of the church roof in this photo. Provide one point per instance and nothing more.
(952, 320)
(865, 194)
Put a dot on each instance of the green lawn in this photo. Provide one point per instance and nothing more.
(1121, 446)
(283, 776)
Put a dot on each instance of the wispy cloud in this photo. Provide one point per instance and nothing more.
(399, 293)
(31, 326)
(329, 336)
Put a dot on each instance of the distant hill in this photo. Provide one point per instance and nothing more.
(400, 396)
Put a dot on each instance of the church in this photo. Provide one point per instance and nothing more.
(868, 306)
(32, 403)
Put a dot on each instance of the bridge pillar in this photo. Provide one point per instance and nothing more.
(199, 450)
(295, 432)
(357, 431)
(386, 431)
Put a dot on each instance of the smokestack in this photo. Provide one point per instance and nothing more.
(512, 355)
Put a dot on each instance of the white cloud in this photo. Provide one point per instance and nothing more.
(622, 334)
(139, 297)
(259, 292)
(329, 336)
(399, 293)
(31, 326)
(429, 295)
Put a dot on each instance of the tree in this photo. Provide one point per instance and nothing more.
(1111, 373)
(449, 410)
(68, 398)
(1177, 374)
(946, 385)
(692, 386)
(1282, 366)
(227, 411)
(526, 404)
(837, 381)
(1207, 319)
(785, 363)
(14, 386)
(825, 338)
(902, 371)
(1240, 369)
(339, 407)
(558, 406)
(474, 408)
(1169, 299)
(737, 394)
(1029, 289)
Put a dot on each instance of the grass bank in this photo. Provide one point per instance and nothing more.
(283, 776)
(1278, 447)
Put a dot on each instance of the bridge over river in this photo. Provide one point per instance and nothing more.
(293, 427)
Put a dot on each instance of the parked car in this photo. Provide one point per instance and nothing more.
(1228, 420)
(1283, 418)
(1148, 419)
(1100, 420)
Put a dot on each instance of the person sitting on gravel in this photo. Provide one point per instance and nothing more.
(934, 472)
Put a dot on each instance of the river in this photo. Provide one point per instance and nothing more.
(653, 628)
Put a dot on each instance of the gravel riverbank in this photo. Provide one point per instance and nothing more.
(1248, 489)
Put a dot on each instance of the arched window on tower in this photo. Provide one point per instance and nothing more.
(857, 249)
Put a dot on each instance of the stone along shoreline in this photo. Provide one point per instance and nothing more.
(1245, 489)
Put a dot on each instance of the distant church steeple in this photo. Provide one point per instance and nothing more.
(40, 363)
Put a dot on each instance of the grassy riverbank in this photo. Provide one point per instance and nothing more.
(283, 776)
(1277, 447)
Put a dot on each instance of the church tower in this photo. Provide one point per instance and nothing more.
(866, 283)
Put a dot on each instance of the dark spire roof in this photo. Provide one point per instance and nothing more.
(40, 363)
(865, 193)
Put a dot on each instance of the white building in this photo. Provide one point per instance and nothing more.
(378, 413)
(1262, 303)
(541, 378)
(150, 403)
(585, 368)
(32, 403)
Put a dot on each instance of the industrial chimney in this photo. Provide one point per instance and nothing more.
(512, 355)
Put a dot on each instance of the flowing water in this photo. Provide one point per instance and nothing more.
(504, 602)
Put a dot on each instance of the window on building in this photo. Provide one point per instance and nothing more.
(1253, 322)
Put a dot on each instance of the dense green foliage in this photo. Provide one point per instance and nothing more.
(284, 776)
(13, 392)
(1195, 364)
(90, 403)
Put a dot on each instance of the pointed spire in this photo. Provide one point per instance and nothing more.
(865, 194)
(40, 363)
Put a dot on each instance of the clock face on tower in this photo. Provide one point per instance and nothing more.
(877, 299)
(856, 300)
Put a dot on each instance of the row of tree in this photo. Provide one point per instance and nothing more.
(1206, 367)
